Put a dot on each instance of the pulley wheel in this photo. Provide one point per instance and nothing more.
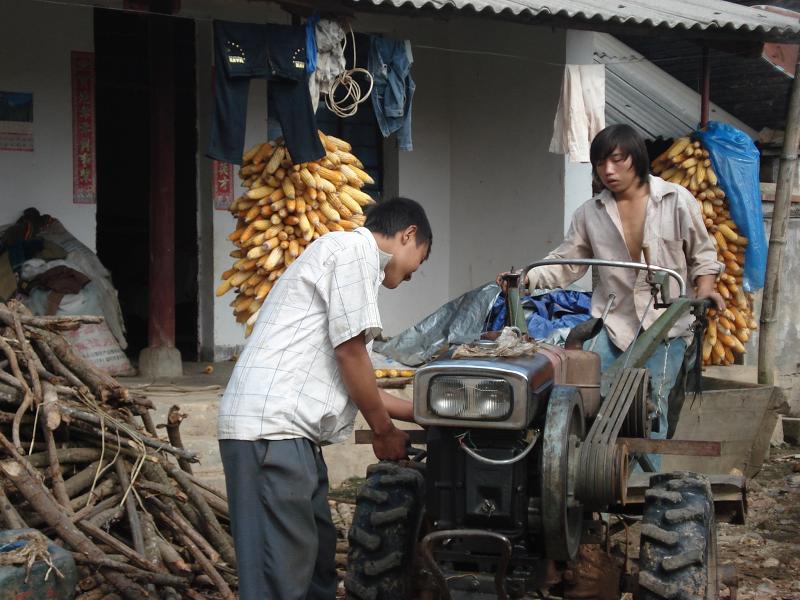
(562, 513)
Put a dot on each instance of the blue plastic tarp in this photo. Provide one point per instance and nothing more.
(736, 161)
(545, 313)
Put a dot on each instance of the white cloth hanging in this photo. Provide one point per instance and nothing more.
(581, 111)
(330, 58)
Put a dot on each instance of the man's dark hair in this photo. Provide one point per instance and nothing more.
(390, 216)
(628, 141)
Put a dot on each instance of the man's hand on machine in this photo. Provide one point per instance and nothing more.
(706, 288)
(501, 282)
(390, 443)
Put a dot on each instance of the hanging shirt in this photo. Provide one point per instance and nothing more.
(677, 236)
(286, 383)
(581, 111)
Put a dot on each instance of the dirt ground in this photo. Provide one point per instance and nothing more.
(765, 550)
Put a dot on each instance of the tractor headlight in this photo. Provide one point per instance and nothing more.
(472, 398)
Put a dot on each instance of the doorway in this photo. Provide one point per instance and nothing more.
(123, 181)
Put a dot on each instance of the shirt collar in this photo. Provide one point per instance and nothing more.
(658, 189)
(383, 257)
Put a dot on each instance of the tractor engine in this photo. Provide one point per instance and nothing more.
(500, 465)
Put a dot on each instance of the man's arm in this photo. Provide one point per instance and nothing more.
(358, 376)
(400, 409)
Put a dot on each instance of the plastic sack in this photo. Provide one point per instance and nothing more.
(736, 161)
(457, 322)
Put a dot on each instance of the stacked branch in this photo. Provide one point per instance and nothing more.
(288, 206)
(80, 460)
(688, 164)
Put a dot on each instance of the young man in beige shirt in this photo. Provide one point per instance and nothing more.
(632, 210)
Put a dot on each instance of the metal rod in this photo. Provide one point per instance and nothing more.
(596, 262)
(705, 87)
(768, 340)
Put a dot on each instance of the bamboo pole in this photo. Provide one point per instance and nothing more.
(767, 342)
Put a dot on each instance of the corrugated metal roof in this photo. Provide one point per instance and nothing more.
(746, 86)
(708, 17)
(644, 96)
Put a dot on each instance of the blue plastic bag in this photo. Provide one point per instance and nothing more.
(735, 159)
(546, 312)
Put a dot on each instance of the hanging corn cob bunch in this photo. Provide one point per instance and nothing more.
(288, 206)
(688, 164)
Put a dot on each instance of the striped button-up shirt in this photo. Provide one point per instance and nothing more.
(676, 234)
(286, 383)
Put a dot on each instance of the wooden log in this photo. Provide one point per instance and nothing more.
(106, 538)
(217, 505)
(104, 489)
(209, 488)
(56, 476)
(97, 593)
(67, 456)
(34, 365)
(171, 558)
(11, 381)
(156, 473)
(102, 385)
(27, 395)
(208, 567)
(88, 512)
(216, 534)
(11, 518)
(174, 420)
(41, 500)
(92, 419)
(56, 366)
(104, 518)
(171, 517)
(130, 506)
(147, 420)
(51, 323)
(164, 490)
(7, 418)
(52, 416)
(150, 537)
(133, 572)
(83, 478)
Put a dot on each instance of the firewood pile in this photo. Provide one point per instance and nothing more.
(82, 461)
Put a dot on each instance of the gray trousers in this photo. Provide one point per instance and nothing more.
(281, 522)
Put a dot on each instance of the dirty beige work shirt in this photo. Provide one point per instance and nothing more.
(676, 234)
(286, 383)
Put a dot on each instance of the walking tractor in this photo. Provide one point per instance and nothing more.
(526, 475)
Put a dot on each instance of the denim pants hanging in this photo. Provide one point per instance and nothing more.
(393, 89)
(277, 53)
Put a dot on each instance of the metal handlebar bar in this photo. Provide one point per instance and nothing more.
(604, 263)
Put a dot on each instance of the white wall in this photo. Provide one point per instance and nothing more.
(506, 188)
(578, 176)
(480, 166)
(35, 44)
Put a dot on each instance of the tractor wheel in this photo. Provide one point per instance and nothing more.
(384, 534)
(678, 549)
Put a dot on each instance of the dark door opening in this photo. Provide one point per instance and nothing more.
(123, 182)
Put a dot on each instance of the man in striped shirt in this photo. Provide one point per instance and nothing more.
(302, 376)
